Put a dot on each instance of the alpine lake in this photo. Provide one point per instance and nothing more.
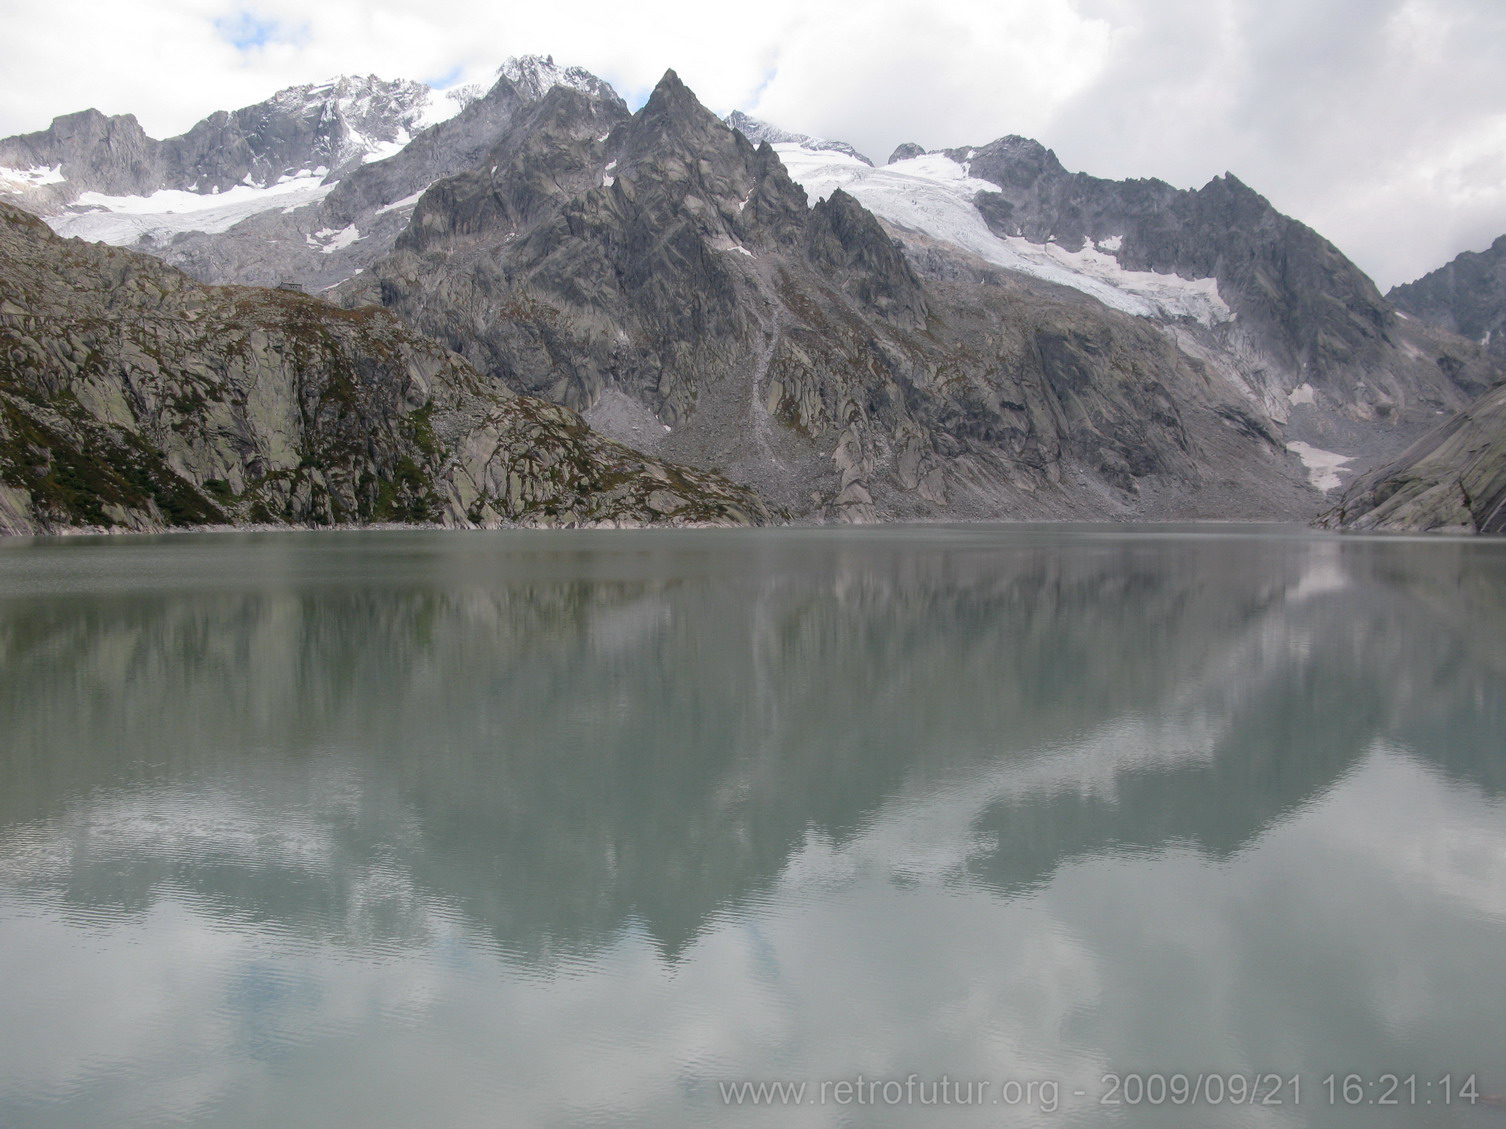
(910, 826)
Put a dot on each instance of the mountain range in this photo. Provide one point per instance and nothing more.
(961, 333)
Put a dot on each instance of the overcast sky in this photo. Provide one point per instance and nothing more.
(1382, 123)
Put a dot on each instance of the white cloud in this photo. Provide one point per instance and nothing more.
(1380, 122)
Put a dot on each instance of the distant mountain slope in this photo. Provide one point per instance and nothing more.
(1268, 300)
(132, 397)
(309, 186)
(1466, 296)
(303, 131)
(1452, 480)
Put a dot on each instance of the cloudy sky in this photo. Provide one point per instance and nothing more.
(1382, 123)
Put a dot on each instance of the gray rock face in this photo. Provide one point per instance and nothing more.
(333, 125)
(106, 154)
(1453, 480)
(664, 259)
(760, 131)
(1466, 296)
(534, 76)
(132, 397)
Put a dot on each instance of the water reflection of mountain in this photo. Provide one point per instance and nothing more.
(556, 741)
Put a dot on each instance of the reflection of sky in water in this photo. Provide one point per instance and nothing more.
(255, 933)
(859, 959)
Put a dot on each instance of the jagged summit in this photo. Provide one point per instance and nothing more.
(758, 131)
(671, 95)
(535, 75)
(674, 119)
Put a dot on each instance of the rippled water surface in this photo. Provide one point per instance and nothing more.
(588, 828)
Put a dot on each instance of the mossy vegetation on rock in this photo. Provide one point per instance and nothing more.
(132, 397)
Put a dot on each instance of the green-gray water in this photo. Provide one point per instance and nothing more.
(584, 828)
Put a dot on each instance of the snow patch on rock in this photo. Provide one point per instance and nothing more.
(399, 205)
(13, 179)
(536, 75)
(328, 240)
(1323, 467)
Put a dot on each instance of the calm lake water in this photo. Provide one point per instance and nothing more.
(587, 828)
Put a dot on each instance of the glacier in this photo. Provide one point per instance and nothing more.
(933, 195)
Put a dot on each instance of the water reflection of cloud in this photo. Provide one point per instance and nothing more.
(835, 970)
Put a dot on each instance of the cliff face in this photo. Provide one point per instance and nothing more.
(133, 397)
(1453, 480)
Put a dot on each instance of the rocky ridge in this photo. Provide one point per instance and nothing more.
(132, 397)
(332, 127)
(305, 191)
(1466, 296)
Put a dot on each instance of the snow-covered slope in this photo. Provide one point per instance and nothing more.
(934, 195)
(13, 180)
(123, 220)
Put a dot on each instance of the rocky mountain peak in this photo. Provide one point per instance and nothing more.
(676, 154)
(674, 125)
(672, 101)
(904, 151)
(535, 75)
(1010, 162)
(75, 146)
(337, 124)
